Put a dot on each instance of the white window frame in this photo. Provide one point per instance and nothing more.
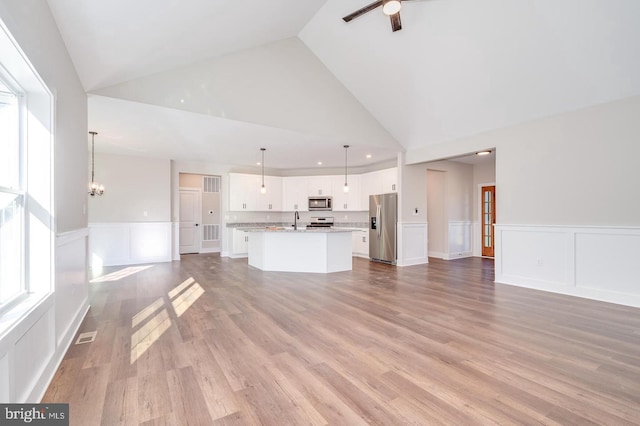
(36, 103)
(7, 80)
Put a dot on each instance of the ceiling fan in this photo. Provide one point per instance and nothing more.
(390, 8)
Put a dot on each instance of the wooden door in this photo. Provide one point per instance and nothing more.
(488, 209)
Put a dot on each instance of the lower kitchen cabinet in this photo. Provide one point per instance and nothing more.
(360, 242)
(240, 243)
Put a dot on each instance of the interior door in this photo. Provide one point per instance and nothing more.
(488, 206)
(190, 221)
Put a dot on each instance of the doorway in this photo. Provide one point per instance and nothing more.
(190, 218)
(488, 209)
(437, 226)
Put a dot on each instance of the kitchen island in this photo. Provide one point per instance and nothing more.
(320, 250)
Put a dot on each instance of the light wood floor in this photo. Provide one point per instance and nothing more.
(210, 341)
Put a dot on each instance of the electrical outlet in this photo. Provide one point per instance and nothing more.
(539, 262)
(144, 213)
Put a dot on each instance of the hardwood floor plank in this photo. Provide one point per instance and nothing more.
(427, 344)
(120, 407)
(154, 400)
(87, 398)
(216, 390)
(187, 400)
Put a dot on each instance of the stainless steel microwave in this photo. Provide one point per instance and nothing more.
(320, 203)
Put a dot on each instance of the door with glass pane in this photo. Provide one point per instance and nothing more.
(488, 219)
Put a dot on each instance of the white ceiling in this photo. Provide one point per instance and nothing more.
(457, 68)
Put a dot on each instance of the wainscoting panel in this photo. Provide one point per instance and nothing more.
(598, 263)
(460, 239)
(32, 349)
(115, 244)
(608, 261)
(412, 244)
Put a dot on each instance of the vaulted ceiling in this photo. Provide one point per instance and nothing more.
(216, 80)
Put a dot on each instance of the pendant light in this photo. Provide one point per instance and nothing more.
(263, 189)
(346, 185)
(95, 188)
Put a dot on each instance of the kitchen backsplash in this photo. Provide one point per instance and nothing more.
(250, 219)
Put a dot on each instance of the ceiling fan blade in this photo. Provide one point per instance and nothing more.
(362, 11)
(395, 22)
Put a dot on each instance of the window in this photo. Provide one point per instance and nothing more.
(12, 283)
(27, 226)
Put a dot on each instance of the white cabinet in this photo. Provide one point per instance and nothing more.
(389, 180)
(319, 185)
(294, 194)
(271, 200)
(380, 182)
(360, 241)
(245, 195)
(346, 201)
(243, 191)
(240, 243)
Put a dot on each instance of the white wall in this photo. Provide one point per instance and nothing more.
(571, 170)
(32, 348)
(137, 189)
(458, 200)
(436, 213)
(130, 223)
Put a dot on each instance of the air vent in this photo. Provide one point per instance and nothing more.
(210, 232)
(87, 337)
(211, 184)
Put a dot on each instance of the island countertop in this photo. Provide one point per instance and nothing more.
(311, 230)
(282, 249)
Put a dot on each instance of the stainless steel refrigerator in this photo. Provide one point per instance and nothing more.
(383, 218)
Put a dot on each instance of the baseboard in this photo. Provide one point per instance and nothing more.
(209, 250)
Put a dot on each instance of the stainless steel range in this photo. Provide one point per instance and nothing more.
(320, 222)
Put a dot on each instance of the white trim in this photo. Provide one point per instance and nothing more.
(595, 262)
(70, 236)
(210, 250)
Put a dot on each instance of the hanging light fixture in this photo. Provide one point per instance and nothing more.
(346, 185)
(95, 188)
(263, 189)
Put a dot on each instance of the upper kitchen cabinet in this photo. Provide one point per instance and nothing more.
(319, 185)
(245, 195)
(294, 194)
(271, 200)
(346, 201)
(379, 182)
(389, 180)
(243, 192)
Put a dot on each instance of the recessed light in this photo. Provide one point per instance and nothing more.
(483, 153)
(368, 155)
(258, 163)
(319, 163)
(181, 101)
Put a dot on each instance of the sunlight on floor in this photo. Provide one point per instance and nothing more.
(182, 297)
(118, 275)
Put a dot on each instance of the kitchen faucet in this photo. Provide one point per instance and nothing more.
(296, 216)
